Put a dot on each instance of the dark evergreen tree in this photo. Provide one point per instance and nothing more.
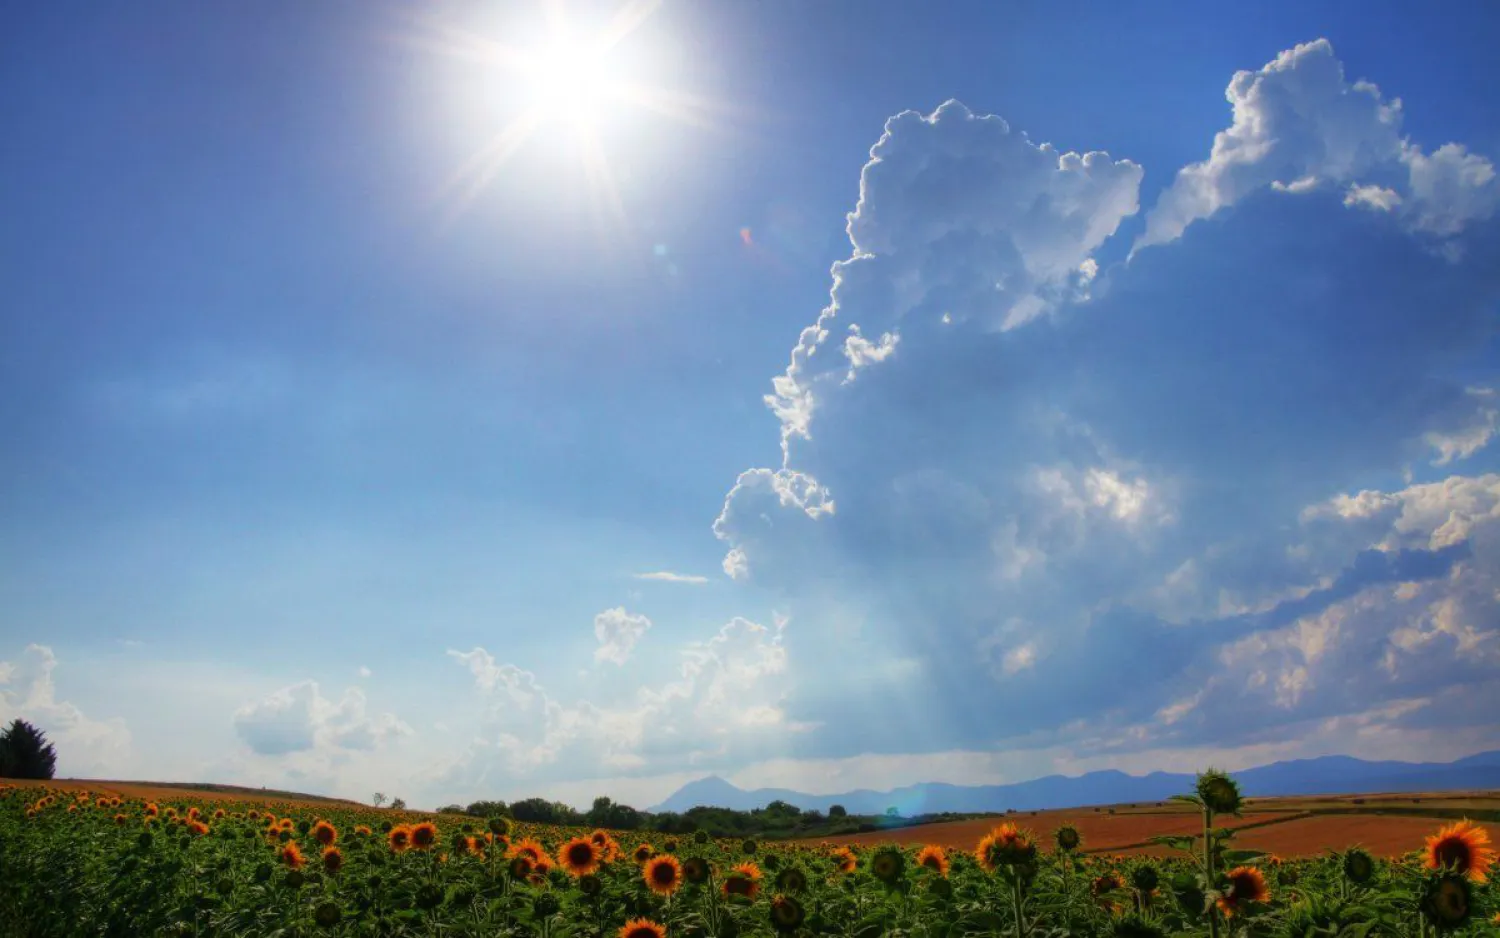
(25, 752)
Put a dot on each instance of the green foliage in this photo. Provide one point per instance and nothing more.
(25, 752)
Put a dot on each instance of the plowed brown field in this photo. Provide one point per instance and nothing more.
(157, 792)
(1287, 827)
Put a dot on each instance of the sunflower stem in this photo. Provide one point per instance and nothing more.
(1208, 867)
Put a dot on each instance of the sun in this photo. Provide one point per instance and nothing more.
(581, 74)
(568, 80)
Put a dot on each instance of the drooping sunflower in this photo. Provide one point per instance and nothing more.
(291, 855)
(1145, 878)
(1359, 866)
(641, 928)
(1462, 848)
(695, 870)
(399, 838)
(333, 859)
(579, 856)
(1219, 792)
(844, 860)
(791, 879)
(663, 874)
(935, 858)
(787, 914)
(743, 880)
(1246, 884)
(424, 836)
(1448, 901)
(888, 864)
(325, 833)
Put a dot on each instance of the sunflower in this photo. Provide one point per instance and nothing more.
(579, 856)
(1068, 838)
(1134, 926)
(1145, 878)
(219, 815)
(791, 879)
(1006, 845)
(325, 833)
(1246, 884)
(1359, 866)
(197, 828)
(695, 870)
(590, 884)
(119, 820)
(787, 914)
(935, 858)
(399, 837)
(152, 810)
(291, 855)
(528, 848)
(641, 928)
(251, 814)
(643, 853)
(844, 860)
(1219, 793)
(888, 864)
(743, 880)
(521, 866)
(663, 874)
(1104, 885)
(424, 836)
(1463, 848)
(333, 859)
(361, 830)
(1448, 901)
(608, 846)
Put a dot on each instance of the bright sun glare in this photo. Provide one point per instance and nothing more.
(577, 76)
(567, 80)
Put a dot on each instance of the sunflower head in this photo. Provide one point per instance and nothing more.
(700, 837)
(1447, 901)
(327, 914)
(791, 879)
(641, 928)
(695, 870)
(521, 866)
(748, 846)
(590, 884)
(1104, 885)
(399, 837)
(663, 874)
(1068, 838)
(1144, 877)
(1359, 866)
(643, 853)
(844, 860)
(1219, 793)
(578, 856)
(1462, 848)
(291, 855)
(424, 836)
(499, 825)
(325, 833)
(1244, 884)
(933, 857)
(787, 914)
(743, 880)
(333, 859)
(888, 864)
(1006, 845)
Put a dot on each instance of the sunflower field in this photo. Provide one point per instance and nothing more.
(95, 863)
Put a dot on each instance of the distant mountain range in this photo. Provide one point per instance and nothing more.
(1325, 775)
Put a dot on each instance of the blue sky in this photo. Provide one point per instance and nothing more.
(1107, 418)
